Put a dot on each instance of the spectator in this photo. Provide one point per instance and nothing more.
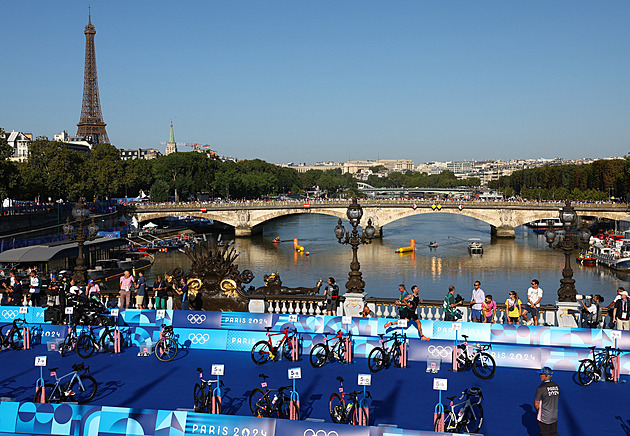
(611, 307)
(92, 289)
(126, 286)
(35, 287)
(594, 311)
(141, 291)
(183, 291)
(159, 289)
(489, 309)
(331, 293)
(546, 403)
(450, 304)
(476, 302)
(54, 297)
(534, 295)
(513, 308)
(621, 313)
(367, 312)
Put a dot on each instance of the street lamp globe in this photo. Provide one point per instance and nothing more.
(340, 231)
(354, 212)
(568, 215)
(369, 231)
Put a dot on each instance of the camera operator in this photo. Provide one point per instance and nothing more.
(450, 304)
(593, 311)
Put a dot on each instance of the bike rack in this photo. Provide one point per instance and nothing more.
(26, 334)
(363, 405)
(403, 352)
(348, 342)
(216, 398)
(294, 347)
(295, 403)
(39, 384)
(438, 413)
(616, 364)
(455, 352)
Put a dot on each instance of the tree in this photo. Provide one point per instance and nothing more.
(159, 191)
(104, 172)
(8, 170)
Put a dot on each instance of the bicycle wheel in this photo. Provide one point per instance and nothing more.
(51, 394)
(473, 418)
(199, 398)
(396, 356)
(69, 343)
(261, 352)
(282, 406)
(84, 391)
(463, 362)
(359, 416)
(217, 401)
(484, 366)
(376, 359)
(608, 367)
(336, 408)
(259, 403)
(166, 349)
(107, 340)
(450, 422)
(85, 346)
(287, 348)
(586, 373)
(318, 356)
(16, 339)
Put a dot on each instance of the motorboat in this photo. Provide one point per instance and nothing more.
(113, 267)
(542, 225)
(475, 246)
(614, 257)
(104, 269)
(433, 244)
(586, 258)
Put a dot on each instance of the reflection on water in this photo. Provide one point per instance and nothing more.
(505, 264)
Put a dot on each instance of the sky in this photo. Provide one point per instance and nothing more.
(309, 81)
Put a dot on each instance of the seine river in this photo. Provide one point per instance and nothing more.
(505, 264)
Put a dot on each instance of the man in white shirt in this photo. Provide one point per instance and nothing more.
(534, 295)
(476, 302)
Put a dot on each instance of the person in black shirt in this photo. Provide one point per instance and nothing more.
(621, 312)
(183, 291)
(546, 403)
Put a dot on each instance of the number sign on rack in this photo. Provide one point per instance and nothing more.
(160, 313)
(69, 310)
(218, 369)
(115, 312)
(440, 384)
(23, 309)
(293, 318)
(364, 380)
(295, 373)
(40, 360)
(457, 326)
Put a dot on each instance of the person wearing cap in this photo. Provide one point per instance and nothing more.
(92, 289)
(609, 310)
(546, 403)
(621, 312)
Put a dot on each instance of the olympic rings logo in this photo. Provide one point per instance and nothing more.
(195, 318)
(9, 314)
(311, 432)
(439, 351)
(199, 338)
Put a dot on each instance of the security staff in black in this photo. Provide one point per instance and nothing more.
(332, 297)
(546, 403)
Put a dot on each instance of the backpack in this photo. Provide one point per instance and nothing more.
(595, 318)
(334, 292)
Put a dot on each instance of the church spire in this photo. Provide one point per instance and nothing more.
(171, 145)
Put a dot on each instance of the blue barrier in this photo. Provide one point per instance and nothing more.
(70, 419)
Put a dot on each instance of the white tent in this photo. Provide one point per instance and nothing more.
(150, 226)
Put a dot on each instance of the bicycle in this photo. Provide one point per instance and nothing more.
(347, 411)
(324, 352)
(465, 416)
(14, 337)
(263, 404)
(264, 350)
(81, 388)
(381, 357)
(483, 364)
(87, 342)
(600, 365)
(166, 348)
(203, 401)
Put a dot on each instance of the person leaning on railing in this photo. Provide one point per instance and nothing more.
(450, 304)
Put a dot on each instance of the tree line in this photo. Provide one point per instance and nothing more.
(598, 181)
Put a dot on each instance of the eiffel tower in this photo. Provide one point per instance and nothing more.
(91, 124)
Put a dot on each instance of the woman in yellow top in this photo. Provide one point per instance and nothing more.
(513, 308)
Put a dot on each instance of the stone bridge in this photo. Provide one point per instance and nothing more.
(247, 217)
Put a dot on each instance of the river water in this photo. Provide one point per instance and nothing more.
(505, 264)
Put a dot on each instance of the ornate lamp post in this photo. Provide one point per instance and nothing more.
(355, 282)
(562, 240)
(80, 214)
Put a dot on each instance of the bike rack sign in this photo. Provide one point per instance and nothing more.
(114, 312)
(402, 323)
(293, 318)
(69, 310)
(40, 360)
(295, 373)
(160, 313)
(440, 384)
(23, 309)
(615, 334)
(218, 369)
(364, 380)
(346, 319)
(457, 327)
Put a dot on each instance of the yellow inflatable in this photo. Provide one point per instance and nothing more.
(297, 246)
(410, 249)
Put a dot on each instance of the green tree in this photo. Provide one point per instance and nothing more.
(159, 191)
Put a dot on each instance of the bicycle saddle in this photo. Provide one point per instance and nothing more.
(268, 329)
(52, 369)
(451, 398)
(284, 388)
(79, 367)
(465, 337)
(265, 377)
(475, 391)
(340, 379)
(199, 370)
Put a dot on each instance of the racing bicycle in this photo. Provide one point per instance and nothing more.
(264, 350)
(70, 341)
(345, 408)
(166, 348)
(325, 352)
(381, 357)
(204, 395)
(271, 402)
(597, 366)
(12, 334)
(88, 342)
(78, 386)
(466, 416)
(482, 363)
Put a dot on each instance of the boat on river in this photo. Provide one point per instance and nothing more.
(614, 257)
(542, 225)
(475, 246)
(586, 258)
(116, 266)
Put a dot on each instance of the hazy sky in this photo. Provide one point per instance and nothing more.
(306, 81)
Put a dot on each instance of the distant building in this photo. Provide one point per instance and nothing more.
(171, 145)
(140, 153)
(82, 144)
(360, 166)
(20, 143)
(323, 166)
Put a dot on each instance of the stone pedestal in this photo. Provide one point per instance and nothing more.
(257, 305)
(568, 313)
(353, 304)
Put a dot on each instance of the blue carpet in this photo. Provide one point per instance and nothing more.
(401, 396)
